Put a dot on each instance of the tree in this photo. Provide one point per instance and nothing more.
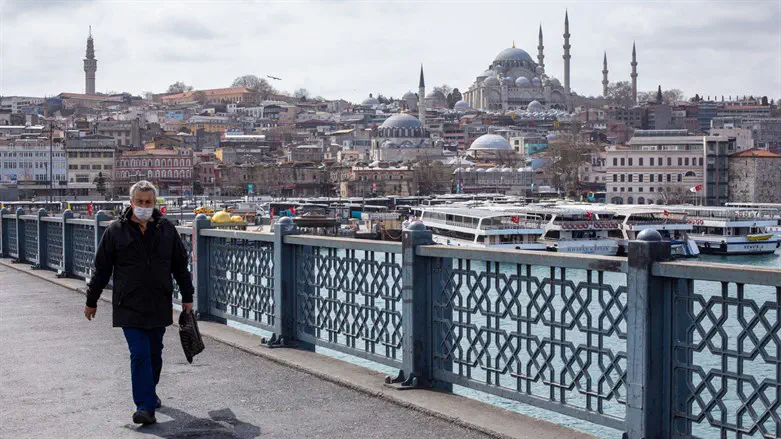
(566, 157)
(197, 188)
(179, 87)
(259, 85)
(764, 100)
(432, 177)
(444, 88)
(672, 96)
(659, 95)
(100, 184)
(301, 93)
(620, 92)
(199, 97)
(453, 97)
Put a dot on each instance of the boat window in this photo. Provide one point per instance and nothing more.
(615, 234)
(552, 234)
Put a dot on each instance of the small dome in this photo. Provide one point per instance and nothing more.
(491, 170)
(513, 54)
(491, 81)
(486, 74)
(508, 81)
(490, 142)
(555, 82)
(436, 94)
(409, 95)
(535, 107)
(536, 82)
(401, 121)
(461, 105)
(523, 81)
(371, 100)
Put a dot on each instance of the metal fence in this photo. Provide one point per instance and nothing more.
(647, 346)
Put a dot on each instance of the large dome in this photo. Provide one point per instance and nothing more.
(371, 100)
(409, 95)
(436, 94)
(535, 107)
(513, 54)
(401, 121)
(461, 105)
(523, 81)
(490, 142)
(491, 81)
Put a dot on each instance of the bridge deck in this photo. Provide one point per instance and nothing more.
(63, 377)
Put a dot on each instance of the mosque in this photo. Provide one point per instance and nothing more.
(514, 80)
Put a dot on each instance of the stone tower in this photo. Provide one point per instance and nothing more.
(90, 66)
(566, 52)
(634, 74)
(604, 76)
(421, 99)
(540, 56)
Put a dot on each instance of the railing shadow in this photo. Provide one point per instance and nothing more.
(221, 424)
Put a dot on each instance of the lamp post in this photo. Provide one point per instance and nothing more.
(51, 163)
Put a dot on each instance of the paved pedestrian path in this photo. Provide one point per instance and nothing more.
(64, 377)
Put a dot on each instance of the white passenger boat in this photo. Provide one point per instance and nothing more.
(577, 230)
(672, 225)
(482, 228)
(733, 231)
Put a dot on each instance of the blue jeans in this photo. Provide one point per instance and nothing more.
(146, 362)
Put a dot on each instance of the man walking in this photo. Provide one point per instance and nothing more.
(143, 250)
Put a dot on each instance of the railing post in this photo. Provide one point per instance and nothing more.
(3, 232)
(200, 269)
(284, 287)
(41, 230)
(67, 245)
(418, 283)
(648, 402)
(19, 235)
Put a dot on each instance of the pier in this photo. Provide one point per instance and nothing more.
(643, 345)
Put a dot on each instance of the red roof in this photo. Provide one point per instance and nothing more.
(757, 153)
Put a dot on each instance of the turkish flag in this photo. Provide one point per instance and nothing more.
(162, 210)
(89, 209)
(516, 220)
(666, 213)
(588, 215)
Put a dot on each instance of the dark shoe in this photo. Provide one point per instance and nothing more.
(158, 404)
(143, 417)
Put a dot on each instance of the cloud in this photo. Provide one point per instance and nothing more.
(187, 28)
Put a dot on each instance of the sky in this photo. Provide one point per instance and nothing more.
(348, 49)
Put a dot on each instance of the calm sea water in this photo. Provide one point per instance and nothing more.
(758, 368)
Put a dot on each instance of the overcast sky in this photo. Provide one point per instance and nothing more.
(349, 49)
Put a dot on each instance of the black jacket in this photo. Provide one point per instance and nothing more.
(143, 284)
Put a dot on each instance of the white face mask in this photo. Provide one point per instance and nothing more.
(143, 213)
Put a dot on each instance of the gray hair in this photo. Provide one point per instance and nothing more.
(142, 186)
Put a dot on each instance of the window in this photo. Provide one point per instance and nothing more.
(149, 173)
(690, 174)
(630, 161)
(660, 178)
(73, 155)
(622, 161)
(640, 178)
(630, 178)
(615, 189)
(157, 163)
(615, 161)
(669, 178)
(651, 178)
(680, 178)
(669, 161)
(640, 161)
(95, 166)
(615, 178)
(176, 163)
(629, 189)
(73, 166)
(700, 161)
(651, 189)
(686, 161)
(622, 178)
(640, 189)
(84, 167)
(680, 161)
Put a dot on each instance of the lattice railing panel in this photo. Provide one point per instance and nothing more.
(30, 241)
(351, 300)
(727, 372)
(545, 335)
(84, 250)
(12, 249)
(241, 280)
(54, 245)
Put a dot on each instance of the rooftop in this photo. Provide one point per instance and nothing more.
(756, 153)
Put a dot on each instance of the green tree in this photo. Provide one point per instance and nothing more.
(453, 97)
(179, 87)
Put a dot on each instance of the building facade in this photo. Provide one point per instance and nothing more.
(170, 169)
(126, 133)
(755, 177)
(25, 164)
(91, 165)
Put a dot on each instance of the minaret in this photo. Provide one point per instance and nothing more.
(90, 66)
(634, 74)
(566, 51)
(421, 99)
(604, 76)
(540, 56)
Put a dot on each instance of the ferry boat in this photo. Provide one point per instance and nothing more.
(673, 226)
(482, 228)
(732, 230)
(577, 230)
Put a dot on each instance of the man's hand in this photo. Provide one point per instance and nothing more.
(89, 313)
(187, 306)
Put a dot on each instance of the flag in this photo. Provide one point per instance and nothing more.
(516, 219)
(162, 210)
(589, 215)
(696, 188)
(293, 210)
(271, 214)
(666, 213)
(89, 209)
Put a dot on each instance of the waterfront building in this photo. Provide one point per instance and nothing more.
(502, 180)
(371, 181)
(214, 96)
(754, 177)
(402, 137)
(171, 170)
(90, 159)
(25, 164)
